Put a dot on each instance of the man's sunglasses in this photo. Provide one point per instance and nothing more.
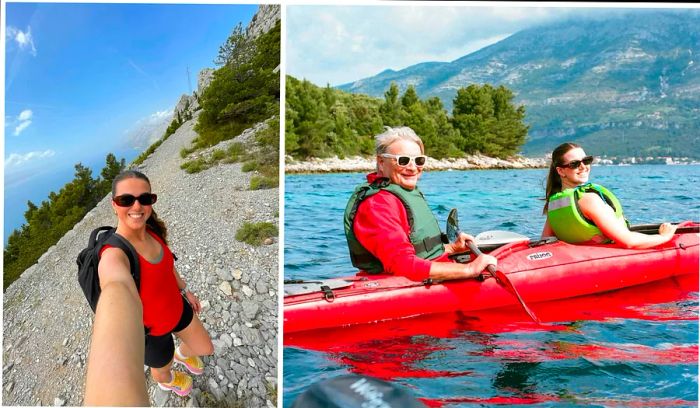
(574, 164)
(404, 161)
(127, 200)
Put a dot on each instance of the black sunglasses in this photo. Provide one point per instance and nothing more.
(127, 200)
(574, 164)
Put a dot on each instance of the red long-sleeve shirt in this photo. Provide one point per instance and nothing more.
(381, 226)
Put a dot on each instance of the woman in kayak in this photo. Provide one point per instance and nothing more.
(578, 211)
(168, 307)
(388, 224)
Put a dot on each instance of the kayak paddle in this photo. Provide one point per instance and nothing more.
(501, 278)
(651, 229)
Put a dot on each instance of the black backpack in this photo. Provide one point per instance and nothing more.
(89, 258)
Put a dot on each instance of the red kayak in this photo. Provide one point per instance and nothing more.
(540, 270)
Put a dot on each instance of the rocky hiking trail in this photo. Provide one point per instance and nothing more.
(47, 321)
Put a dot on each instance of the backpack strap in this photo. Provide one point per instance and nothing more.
(92, 241)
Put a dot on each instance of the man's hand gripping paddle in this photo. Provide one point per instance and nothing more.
(453, 231)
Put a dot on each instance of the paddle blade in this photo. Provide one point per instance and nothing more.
(499, 237)
(452, 227)
(503, 280)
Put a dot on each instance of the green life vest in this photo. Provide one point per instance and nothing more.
(568, 222)
(425, 235)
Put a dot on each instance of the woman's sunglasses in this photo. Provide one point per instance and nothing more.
(574, 164)
(404, 161)
(127, 200)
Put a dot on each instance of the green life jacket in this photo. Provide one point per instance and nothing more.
(568, 222)
(425, 235)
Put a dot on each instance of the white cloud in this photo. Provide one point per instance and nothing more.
(23, 39)
(347, 43)
(158, 116)
(146, 131)
(22, 125)
(24, 119)
(15, 159)
(25, 115)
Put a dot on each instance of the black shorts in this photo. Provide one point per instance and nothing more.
(161, 349)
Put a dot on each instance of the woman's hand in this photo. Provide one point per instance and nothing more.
(194, 302)
(667, 229)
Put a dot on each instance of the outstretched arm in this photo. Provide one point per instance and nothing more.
(115, 363)
(451, 270)
(604, 218)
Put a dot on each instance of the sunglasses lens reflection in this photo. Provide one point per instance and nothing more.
(576, 163)
(405, 160)
(127, 200)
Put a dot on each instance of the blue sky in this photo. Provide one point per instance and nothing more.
(353, 42)
(82, 80)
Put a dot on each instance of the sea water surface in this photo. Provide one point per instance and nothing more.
(632, 347)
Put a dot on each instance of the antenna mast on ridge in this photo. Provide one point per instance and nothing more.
(189, 82)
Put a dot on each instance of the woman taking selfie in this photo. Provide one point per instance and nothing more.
(168, 307)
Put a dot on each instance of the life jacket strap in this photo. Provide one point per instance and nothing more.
(429, 243)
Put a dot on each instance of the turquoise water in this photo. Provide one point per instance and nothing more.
(636, 347)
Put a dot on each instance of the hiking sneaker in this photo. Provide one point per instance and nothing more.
(195, 365)
(181, 384)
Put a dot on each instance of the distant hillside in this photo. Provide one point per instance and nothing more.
(626, 85)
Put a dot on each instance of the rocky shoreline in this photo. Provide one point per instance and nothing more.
(363, 164)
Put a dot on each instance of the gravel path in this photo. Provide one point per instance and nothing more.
(47, 322)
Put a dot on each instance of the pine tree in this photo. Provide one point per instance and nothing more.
(391, 108)
(236, 49)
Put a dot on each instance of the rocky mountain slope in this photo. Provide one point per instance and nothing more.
(47, 322)
(625, 84)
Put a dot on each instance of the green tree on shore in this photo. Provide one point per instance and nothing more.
(321, 122)
(50, 221)
(487, 121)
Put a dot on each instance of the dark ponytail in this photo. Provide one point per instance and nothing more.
(158, 226)
(553, 178)
(153, 222)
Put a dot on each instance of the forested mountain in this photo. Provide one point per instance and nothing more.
(626, 85)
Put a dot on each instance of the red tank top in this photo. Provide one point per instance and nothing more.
(160, 296)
